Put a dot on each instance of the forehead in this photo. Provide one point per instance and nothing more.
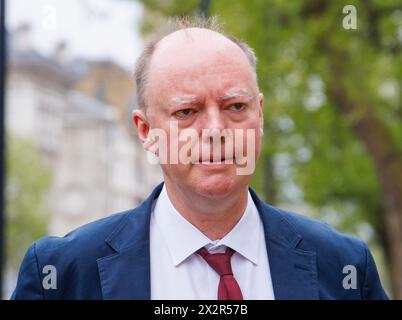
(201, 62)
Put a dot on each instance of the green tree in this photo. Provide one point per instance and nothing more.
(28, 181)
(333, 107)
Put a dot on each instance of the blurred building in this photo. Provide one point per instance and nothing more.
(78, 113)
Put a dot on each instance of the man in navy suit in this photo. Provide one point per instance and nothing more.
(203, 233)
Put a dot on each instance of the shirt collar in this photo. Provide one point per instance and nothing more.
(244, 238)
(183, 238)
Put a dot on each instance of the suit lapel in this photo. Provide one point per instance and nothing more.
(293, 271)
(126, 273)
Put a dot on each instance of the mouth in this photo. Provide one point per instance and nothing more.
(211, 161)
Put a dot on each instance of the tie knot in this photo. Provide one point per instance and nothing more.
(220, 262)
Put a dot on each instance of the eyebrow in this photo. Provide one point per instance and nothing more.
(236, 93)
(175, 101)
(230, 94)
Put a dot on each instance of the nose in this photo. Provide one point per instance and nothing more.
(213, 124)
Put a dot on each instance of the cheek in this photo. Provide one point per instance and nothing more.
(258, 141)
(251, 139)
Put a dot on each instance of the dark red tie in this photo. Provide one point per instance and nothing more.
(228, 287)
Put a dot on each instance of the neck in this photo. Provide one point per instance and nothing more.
(213, 217)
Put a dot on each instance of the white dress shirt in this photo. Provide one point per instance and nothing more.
(178, 272)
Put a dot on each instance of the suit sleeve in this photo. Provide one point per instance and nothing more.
(29, 285)
(372, 288)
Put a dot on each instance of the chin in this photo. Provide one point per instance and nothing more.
(217, 186)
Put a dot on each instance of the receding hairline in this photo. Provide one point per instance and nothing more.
(202, 38)
(190, 33)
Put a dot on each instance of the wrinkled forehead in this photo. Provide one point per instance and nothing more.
(195, 41)
(188, 55)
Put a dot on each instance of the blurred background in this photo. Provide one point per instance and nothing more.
(332, 80)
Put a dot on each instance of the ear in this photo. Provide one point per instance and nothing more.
(261, 109)
(141, 123)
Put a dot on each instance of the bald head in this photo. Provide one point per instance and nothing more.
(196, 44)
(187, 45)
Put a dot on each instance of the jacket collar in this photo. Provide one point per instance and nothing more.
(293, 270)
(126, 273)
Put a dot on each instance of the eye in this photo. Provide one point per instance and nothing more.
(181, 114)
(237, 106)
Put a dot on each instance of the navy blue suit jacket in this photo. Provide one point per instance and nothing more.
(110, 259)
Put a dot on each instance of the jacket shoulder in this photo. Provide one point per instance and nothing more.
(336, 255)
(319, 234)
(71, 261)
(88, 239)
